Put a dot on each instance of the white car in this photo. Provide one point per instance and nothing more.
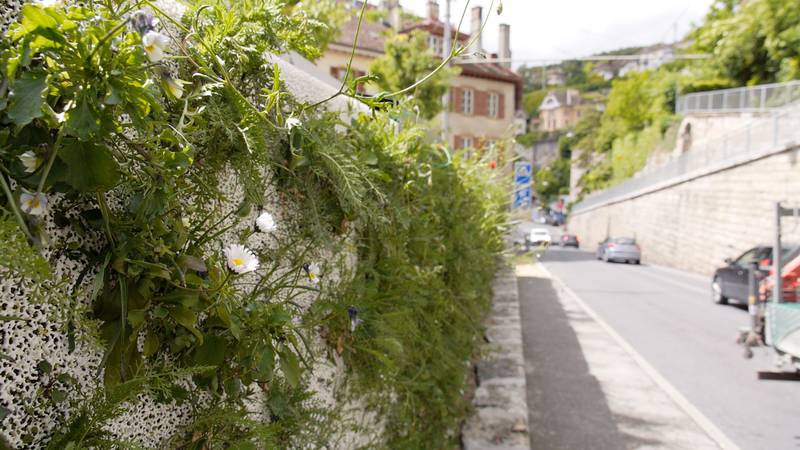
(540, 236)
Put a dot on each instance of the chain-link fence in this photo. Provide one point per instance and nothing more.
(746, 99)
(779, 130)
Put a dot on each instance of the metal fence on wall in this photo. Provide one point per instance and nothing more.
(780, 130)
(763, 97)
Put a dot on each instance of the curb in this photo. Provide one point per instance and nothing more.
(500, 420)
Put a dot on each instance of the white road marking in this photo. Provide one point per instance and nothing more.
(699, 418)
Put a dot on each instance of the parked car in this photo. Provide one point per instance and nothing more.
(539, 236)
(569, 240)
(731, 281)
(619, 249)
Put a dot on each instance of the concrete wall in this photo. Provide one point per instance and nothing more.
(696, 224)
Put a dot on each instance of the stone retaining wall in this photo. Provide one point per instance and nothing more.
(696, 224)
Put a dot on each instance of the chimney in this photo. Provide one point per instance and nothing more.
(504, 44)
(433, 10)
(392, 9)
(395, 16)
(476, 20)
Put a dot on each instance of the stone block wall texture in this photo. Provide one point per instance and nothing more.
(500, 421)
(695, 225)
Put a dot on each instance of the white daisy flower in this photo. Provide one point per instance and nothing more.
(292, 122)
(266, 223)
(154, 44)
(33, 204)
(173, 87)
(312, 270)
(30, 161)
(240, 259)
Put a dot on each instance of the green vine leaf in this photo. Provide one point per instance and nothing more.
(90, 166)
(27, 98)
(186, 319)
(83, 120)
(290, 367)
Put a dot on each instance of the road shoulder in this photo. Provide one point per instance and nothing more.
(617, 391)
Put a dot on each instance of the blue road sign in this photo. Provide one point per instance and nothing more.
(522, 197)
(522, 184)
(522, 172)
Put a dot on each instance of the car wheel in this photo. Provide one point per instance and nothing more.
(637, 262)
(716, 292)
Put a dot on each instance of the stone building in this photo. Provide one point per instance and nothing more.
(560, 109)
(484, 97)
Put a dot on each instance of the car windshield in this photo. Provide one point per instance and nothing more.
(624, 241)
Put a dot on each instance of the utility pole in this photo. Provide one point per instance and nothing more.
(446, 48)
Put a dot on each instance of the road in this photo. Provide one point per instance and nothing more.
(668, 318)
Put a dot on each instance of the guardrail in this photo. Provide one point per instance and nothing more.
(762, 137)
(763, 97)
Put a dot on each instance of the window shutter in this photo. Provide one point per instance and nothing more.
(501, 105)
(455, 99)
(481, 103)
(457, 144)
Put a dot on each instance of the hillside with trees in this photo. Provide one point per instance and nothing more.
(747, 43)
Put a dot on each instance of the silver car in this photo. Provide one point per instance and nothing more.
(619, 249)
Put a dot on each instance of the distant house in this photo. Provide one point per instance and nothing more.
(555, 76)
(604, 70)
(485, 98)
(650, 58)
(560, 109)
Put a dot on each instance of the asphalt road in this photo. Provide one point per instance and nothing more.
(669, 318)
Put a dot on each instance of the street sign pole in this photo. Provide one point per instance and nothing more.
(777, 293)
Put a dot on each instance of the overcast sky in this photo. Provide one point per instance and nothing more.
(568, 28)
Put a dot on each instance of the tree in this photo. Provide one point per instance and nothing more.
(532, 100)
(325, 17)
(407, 58)
(752, 42)
(553, 180)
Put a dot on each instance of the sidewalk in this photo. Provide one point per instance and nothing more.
(586, 388)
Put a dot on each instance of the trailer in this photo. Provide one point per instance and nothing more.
(774, 307)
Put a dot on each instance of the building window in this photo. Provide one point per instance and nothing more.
(466, 101)
(494, 104)
(467, 142)
(435, 44)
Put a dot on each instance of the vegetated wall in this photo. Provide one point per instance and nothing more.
(368, 277)
(696, 224)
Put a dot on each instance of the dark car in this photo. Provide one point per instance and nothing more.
(731, 281)
(569, 240)
(619, 249)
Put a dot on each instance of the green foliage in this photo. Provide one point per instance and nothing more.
(638, 112)
(418, 293)
(552, 180)
(139, 166)
(407, 58)
(752, 42)
(532, 100)
(325, 18)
